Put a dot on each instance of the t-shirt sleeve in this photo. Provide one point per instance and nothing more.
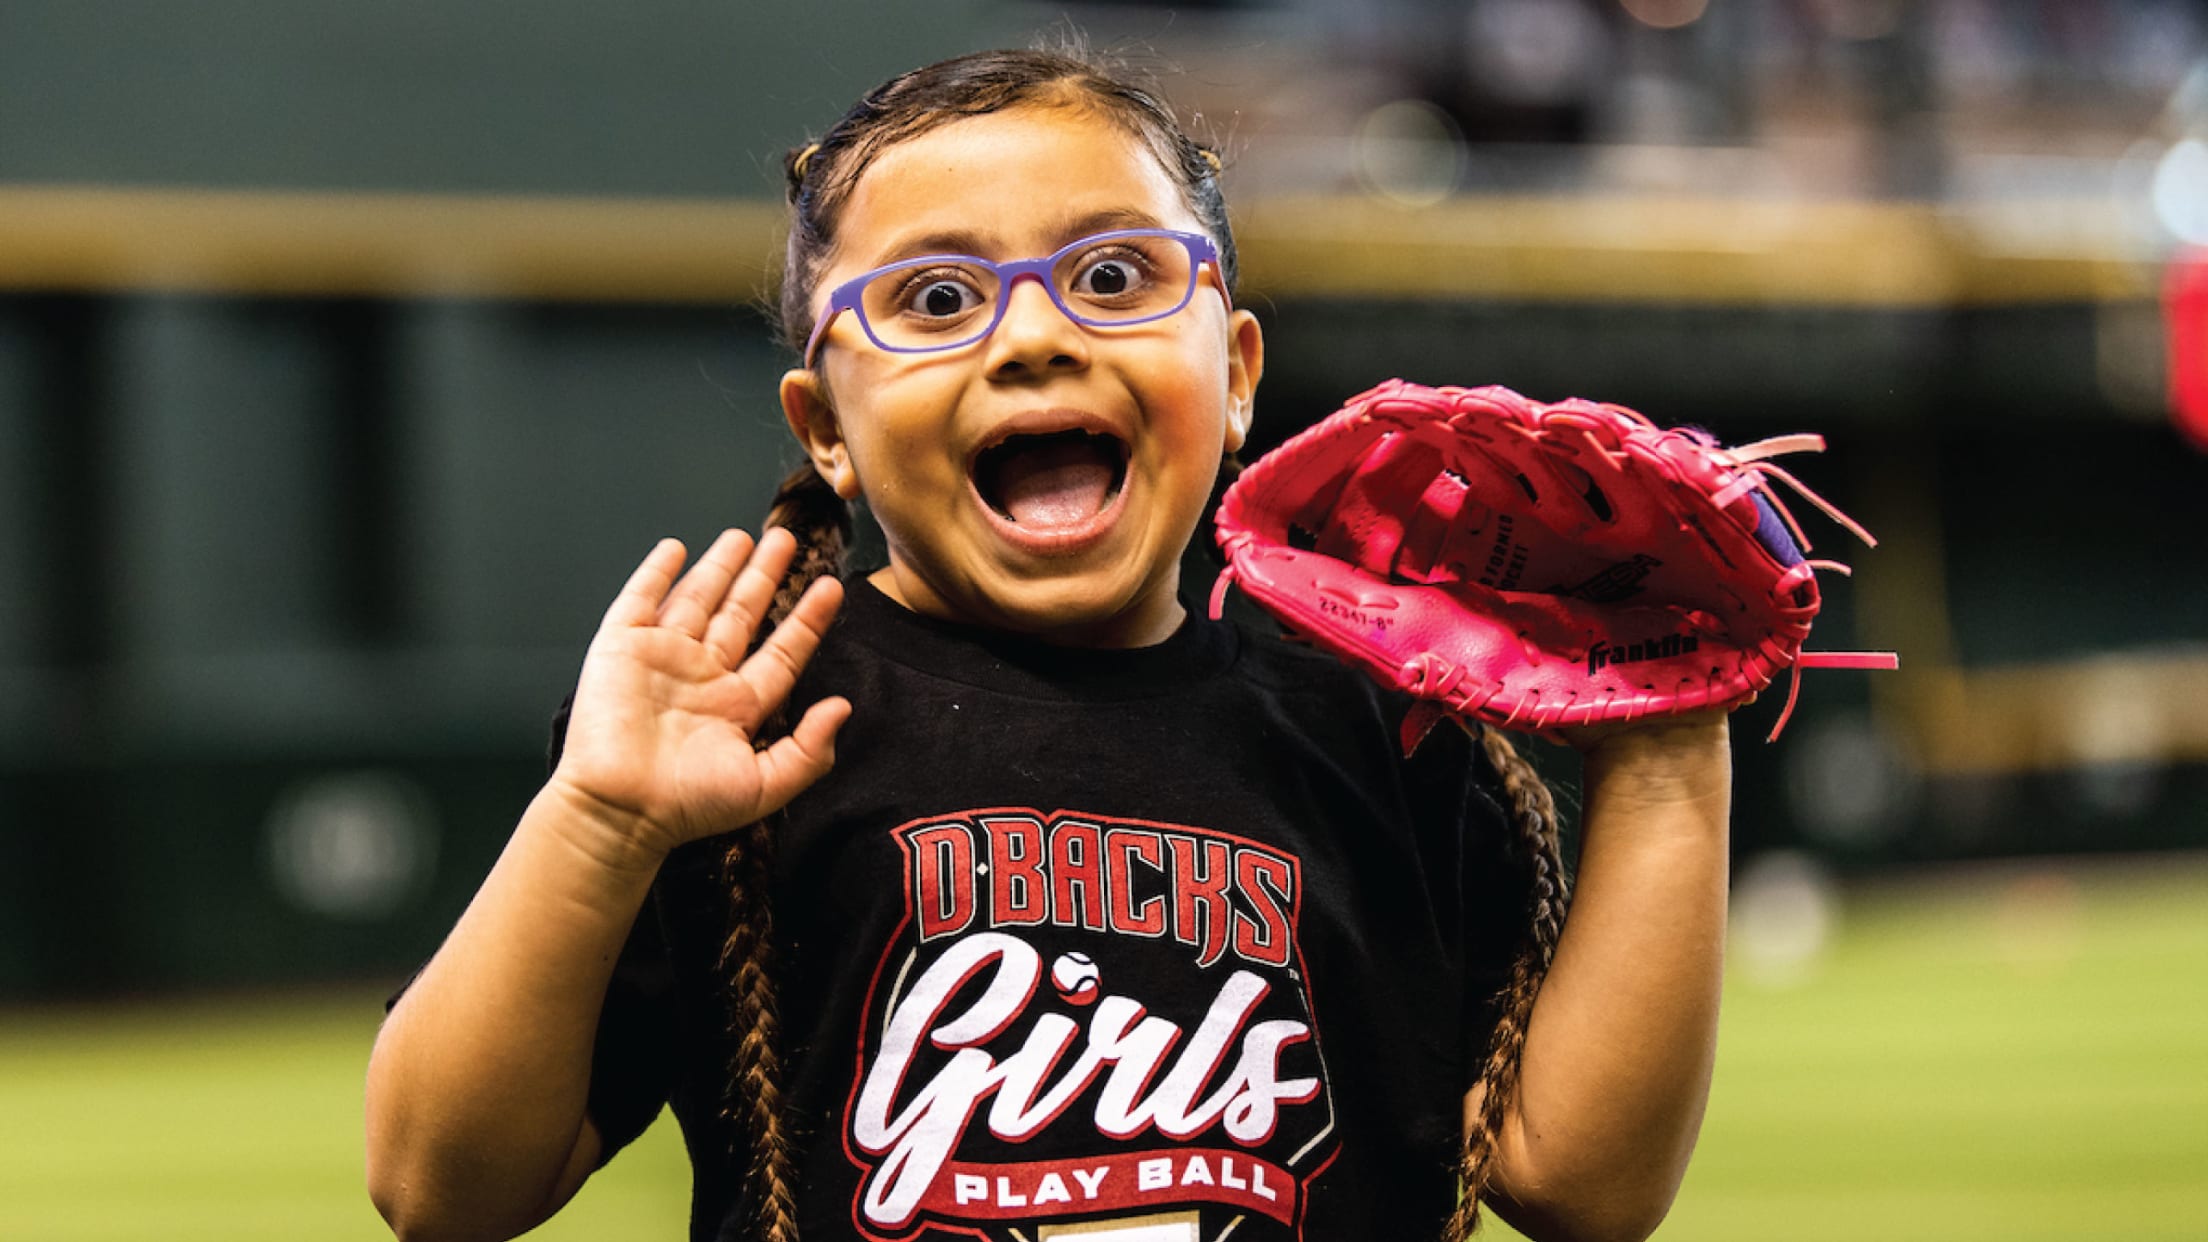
(633, 1062)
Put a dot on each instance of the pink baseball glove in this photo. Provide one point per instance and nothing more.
(1532, 565)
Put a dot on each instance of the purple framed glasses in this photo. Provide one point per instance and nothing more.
(943, 301)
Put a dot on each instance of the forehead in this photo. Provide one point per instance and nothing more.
(1014, 183)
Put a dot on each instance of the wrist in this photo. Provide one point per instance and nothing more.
(609, 836)
(1670, 760)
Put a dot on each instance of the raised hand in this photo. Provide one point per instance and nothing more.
(661, 745)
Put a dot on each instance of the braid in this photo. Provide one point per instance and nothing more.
(1533, 814)
(810, 508)
(812, 511)
(753, 1099)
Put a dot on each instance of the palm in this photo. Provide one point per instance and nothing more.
(668, 707)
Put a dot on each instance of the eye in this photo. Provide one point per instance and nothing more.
(939, 297)
(1112, 274)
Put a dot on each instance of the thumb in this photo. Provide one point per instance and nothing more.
(791, 764)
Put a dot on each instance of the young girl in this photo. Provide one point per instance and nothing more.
(1111, 922)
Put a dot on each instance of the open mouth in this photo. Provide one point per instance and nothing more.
(1050, 482)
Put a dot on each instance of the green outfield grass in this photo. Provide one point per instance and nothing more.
(2014, 1054)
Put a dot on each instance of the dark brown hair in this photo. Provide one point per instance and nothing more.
(821, 176)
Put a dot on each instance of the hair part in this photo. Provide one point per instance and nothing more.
(821, 176)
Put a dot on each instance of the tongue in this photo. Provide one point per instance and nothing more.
(1054, 484)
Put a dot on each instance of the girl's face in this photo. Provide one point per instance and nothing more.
(1046, 478)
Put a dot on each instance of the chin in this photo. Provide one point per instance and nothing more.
(1087, 613)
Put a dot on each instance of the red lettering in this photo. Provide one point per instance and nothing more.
(1268, 882)
(1017, 888)
(1216, 893)
(942, 878)
(1121, 847)
(1074, 877)
(1201, 908)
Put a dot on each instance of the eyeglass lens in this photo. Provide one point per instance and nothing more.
(940, 303)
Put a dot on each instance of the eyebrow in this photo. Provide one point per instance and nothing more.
(968, 242)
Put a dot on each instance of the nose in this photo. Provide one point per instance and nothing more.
(1035, 337)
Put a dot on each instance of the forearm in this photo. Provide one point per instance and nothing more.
(1622, 1040)
(478, 1081)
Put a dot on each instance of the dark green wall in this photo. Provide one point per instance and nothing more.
(542, 96)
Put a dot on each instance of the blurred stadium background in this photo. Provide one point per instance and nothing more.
(350, 354)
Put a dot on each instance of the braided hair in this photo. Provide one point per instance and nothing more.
(821, 521)
(1533, 818)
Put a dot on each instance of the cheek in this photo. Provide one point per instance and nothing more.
(895, 432)
(899, 472)
(1194, 387)
(1205, 354)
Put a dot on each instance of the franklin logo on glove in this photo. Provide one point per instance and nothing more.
(1603, 655)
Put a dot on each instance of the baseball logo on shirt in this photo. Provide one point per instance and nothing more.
(1088, 1026)
(1075, 977)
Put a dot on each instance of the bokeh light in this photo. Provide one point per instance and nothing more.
(1785, 914)
(353, 845)
(1411, 152)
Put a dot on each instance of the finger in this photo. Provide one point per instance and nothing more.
(751, 596)
(774, 668)
(754, 591)
(806, 755)
(698, 595)
(638, 602)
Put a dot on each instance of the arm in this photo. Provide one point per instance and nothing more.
(1623, 1035)
(477, 1083)
(477, 1086)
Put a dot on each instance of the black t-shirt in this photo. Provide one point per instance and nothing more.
(1154, 943)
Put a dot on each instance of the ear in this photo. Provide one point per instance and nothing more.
(813, 421)
(1245, 365)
